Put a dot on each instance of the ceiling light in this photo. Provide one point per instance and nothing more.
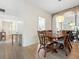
(59, 0)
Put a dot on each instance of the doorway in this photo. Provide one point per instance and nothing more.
(8, 27)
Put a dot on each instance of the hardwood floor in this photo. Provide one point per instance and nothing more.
(7, 51)
(75, 51)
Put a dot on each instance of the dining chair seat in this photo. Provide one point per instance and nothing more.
(60, 41)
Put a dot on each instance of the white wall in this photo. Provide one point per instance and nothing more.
(29, 15)
(10, 6)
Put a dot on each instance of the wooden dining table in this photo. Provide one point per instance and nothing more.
(53, 39)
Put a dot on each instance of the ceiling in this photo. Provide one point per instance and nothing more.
(53, 6)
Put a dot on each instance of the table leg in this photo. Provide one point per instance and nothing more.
(12, 39)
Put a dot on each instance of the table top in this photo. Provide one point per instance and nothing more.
(55, 36)
(16, 34)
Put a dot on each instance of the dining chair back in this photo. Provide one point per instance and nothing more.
(67, 44)
(42, 38)
(49, 32)
(44, 44)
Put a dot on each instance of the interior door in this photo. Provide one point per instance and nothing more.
(7, 27)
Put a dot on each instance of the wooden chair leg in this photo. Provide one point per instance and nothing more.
(70, 45)
(69, 49)
(45, 53)
(39, 49)
(65, 51)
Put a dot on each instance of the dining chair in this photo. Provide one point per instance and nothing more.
(52, 40)
(44, 43)
(69, 41)
(49, 33)
(69, 38)
(65, 42)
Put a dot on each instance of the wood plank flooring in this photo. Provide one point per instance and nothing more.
(7, 51)
(75, 51)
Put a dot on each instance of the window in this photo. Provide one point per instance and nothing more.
(59, 23)
(41, 23)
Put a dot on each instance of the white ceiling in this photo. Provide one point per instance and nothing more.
(53, 6)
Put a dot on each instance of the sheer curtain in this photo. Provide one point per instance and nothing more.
(41, 23)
